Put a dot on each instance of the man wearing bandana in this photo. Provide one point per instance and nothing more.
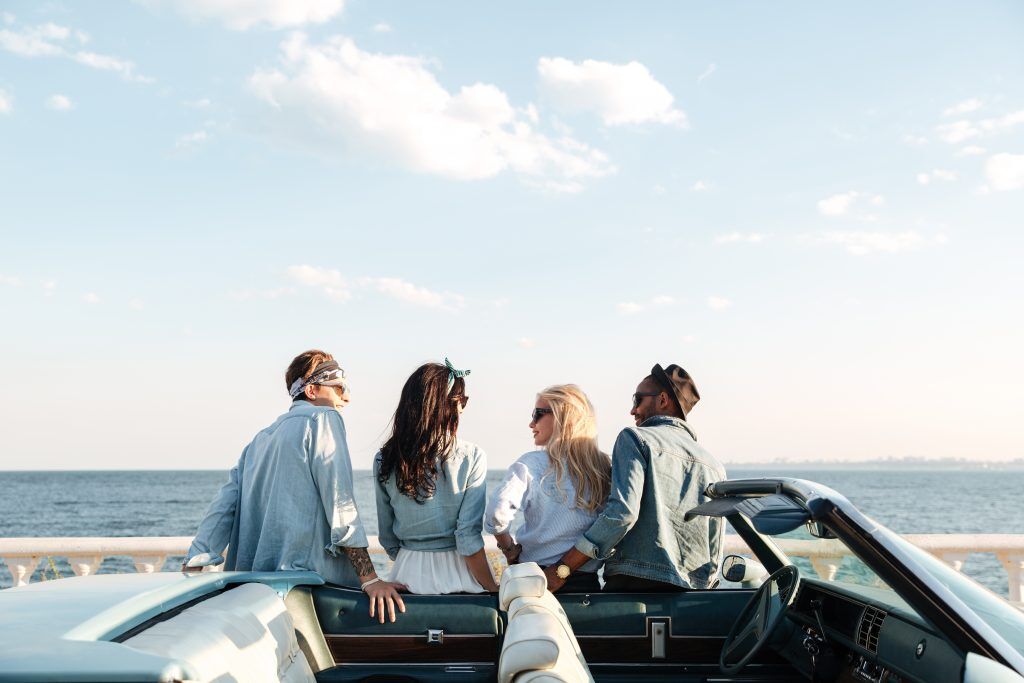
(288, 503)
(659, 472)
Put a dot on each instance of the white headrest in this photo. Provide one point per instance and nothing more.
(525, 580)
(532, 643)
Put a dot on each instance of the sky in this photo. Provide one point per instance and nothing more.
(814, 208)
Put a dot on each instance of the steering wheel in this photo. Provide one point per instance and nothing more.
(759, 619)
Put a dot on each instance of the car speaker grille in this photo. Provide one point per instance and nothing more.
(870, 626)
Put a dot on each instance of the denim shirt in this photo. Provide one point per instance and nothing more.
(288, 503)
(451, 519)
(658, 474)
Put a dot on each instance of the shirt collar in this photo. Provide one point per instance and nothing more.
(657, 420)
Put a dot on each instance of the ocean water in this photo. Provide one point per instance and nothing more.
(171, 503)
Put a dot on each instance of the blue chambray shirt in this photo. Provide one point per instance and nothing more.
(288, 503)
(659, 472)
(451, 519)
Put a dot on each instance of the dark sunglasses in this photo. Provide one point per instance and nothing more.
(639, 396)
(461, 399)
(538, 413)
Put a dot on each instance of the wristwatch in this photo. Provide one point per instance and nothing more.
(563, 571)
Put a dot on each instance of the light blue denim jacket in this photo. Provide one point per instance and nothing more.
(288, 503)
(658, 474)
(452, 519)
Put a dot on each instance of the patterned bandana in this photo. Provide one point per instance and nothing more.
(327, 374)
(453, 373)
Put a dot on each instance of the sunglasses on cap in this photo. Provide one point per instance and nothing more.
(639, 397)
(538, 413)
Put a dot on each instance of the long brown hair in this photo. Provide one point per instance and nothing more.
(573, 447)
(423, 431)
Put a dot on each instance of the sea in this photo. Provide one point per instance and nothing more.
(171, 503)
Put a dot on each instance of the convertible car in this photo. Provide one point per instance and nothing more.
(883, 611)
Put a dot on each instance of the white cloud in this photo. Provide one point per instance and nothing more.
(7, 17)
(963, 130)
(631, 307)
(860, 243)
(740, 238)
(49, 287)
(241, 15)
(6, 102)
(689, 338)
(965, 107)
(1005, 171)
(619, 93)
(971, 151)
(59, 103)
(526, 342)
(911, 139)
(382, 28)
(337, 97)
(700, 186)
(329, 281)
(136, 304)
(707, 72)
(90, 298)
(10, 280)
(191, 140)
(843, 203)
(659, 189)
(718, 303)
(420, 296)
(51, 40)
(203, 103)
(936, 174)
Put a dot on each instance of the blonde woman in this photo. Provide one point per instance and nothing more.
(560, 488)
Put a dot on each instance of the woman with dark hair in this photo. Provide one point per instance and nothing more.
(431, 489)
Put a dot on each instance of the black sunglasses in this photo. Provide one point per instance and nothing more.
(639, 396)
(538, 413)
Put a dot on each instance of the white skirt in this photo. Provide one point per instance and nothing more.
(433, 573)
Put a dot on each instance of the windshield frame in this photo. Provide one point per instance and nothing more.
(889, 559)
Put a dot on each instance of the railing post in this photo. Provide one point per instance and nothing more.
(827, 567)
(955, 560)
(149, 564)
(21, 569)
(84, 566)
(1014, 564)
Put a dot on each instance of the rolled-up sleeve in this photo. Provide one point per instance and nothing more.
(629, 469)
(332, 473)
(214, 532)
(508, 499)
(385, 514)
(469, 525)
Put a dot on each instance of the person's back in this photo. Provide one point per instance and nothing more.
(678, 472)
(284, 474)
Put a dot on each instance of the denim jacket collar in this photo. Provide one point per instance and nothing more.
(657, 420)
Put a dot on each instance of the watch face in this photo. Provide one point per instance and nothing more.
(563, 571)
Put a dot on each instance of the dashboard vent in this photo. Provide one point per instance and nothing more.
(870, 625)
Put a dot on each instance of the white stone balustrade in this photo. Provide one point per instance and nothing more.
(23, 555)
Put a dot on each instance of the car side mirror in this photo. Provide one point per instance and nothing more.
(978, 669)
(743, 570)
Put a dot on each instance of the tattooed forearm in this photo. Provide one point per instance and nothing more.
(360, 560)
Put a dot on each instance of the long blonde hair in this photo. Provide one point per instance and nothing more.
(573, 445)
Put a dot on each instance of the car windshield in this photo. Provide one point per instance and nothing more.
(1006, 620)
(830, 560)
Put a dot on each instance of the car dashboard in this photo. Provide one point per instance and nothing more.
(836, 634)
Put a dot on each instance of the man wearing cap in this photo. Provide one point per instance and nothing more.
(658, 473)
(288, 503)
